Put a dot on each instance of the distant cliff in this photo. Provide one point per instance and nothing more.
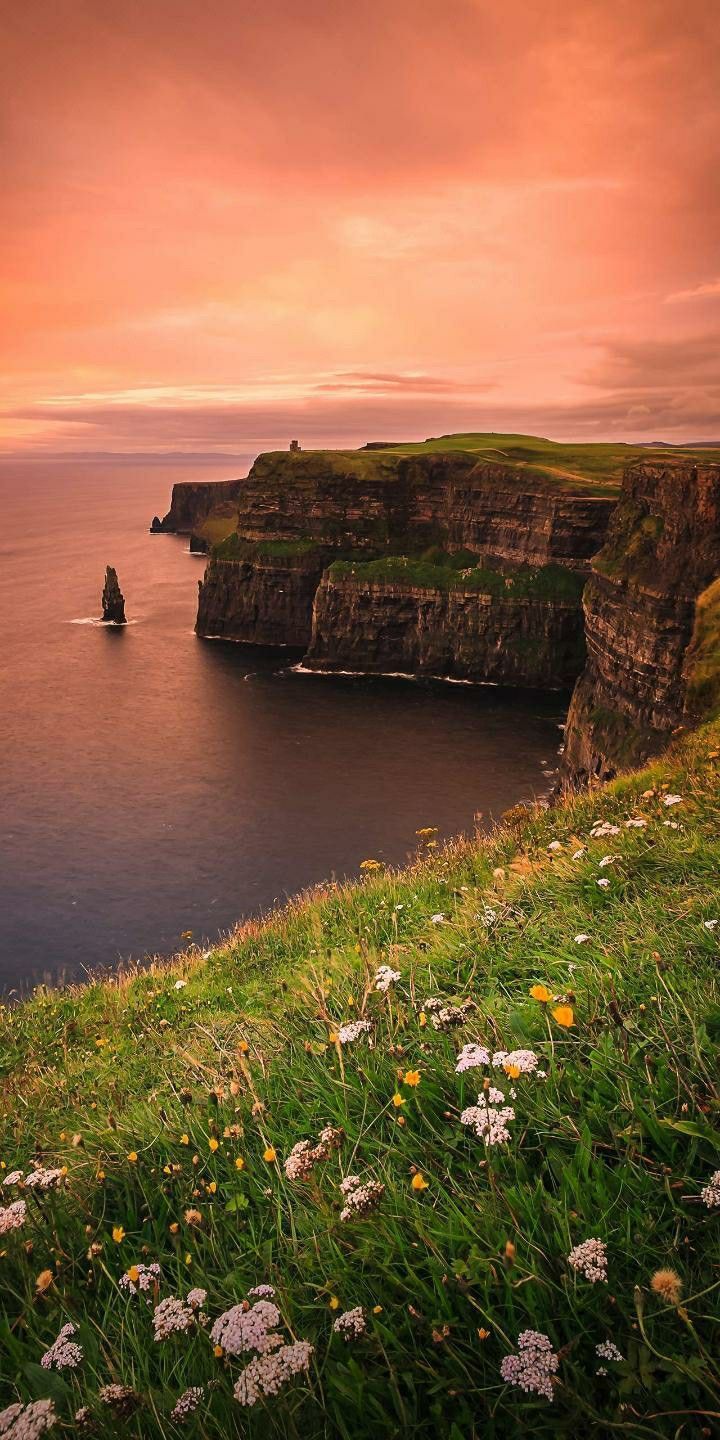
(641, 614)
(456, 521)
(191, 503)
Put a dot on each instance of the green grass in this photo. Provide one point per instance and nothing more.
(233, 547)
(546, 582)
(616, 1143)
(702, 662)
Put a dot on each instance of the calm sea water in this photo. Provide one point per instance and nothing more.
(154, 783)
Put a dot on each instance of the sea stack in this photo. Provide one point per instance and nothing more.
(113, 602)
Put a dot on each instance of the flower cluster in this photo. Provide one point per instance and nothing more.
(606, 1350)
(122, 1399)
(266, 1374)
(710, 1194)
(353, 1031)
(360, 1198)
(590, 1260)
(141, 1279)
(42, 1179)
(532, 1369)
(386, 977)
(517, 1062)
(489, 1120)
(351, 1324)
(172, 1315)
(11, 1218)
(13, 1177)
(305, 1156)
(187, 1404)
(27, 1422)
(602, 828)
(472, 1056)
(64, 1353)
(262, 1292)
(247, 1327)
(447, 1017)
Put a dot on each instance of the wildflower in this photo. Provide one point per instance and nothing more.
(603, 827)
(437, 919)
(709, 925)
(351, 1324)
(470, 1057)
(371, 865)
(43, 1179)
(305, 1156)
(334, 1303)
(672, 800)
(495, 1096)
(412, 1078)
(515, 1062)
(606, 1350)
(590, 1260)
(12, 1216)
(132, 1157)
(240, 1330)
(710, 1194)
(386, 977)
(541, 993)
(668, 1285)
(398, 1100)
(118, 1234)
(581, 939)
(563, 1015)
(193, 1217)
(262, 1292)
(636, 824)
(141, 1280)
(120, 1398)
(27, 1422)
(555, 845)
(184, 1139)
(360, 1198)
(489, 1122)
(266, 1374)
(447, 1017)
(44, 1281)
(213, 1144)
(64, 1353)
(13, 1177)
(531, 1370)
(172, 1316)
(356, 1028)
(270, 1154)
(418, 1181)
(603, 883)
(187, 1404)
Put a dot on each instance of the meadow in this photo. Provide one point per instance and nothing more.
(458, 1125)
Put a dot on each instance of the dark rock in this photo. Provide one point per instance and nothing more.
(113, 603)
(156, 525)
(192, 501)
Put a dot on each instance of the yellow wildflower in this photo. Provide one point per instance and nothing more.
(212, 1187)
(213, 1144)
(332, 1038)
(423, 1018)
(398, 1100)
(564, 1016)
(239, 1163)
(133, 1274)
(419, 1182)
(270, 1154)
(132, 1157)
(243, 1047)
(412, 1077)
(541, 993)
(218, 1352)
(118, 1234)
(377, 1309)
(184, 1139)
(512, 1071)
(334, 1303)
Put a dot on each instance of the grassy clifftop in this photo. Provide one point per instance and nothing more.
(162, 1109)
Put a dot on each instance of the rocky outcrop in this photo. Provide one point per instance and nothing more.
(662, 551)
(113, 603)
(191, 503)
(260, 599)
(378, 627)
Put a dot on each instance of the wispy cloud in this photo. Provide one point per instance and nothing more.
(708, 290)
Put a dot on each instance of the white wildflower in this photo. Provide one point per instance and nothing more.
(608, 860)
(669, 800)
(603, 884)
(361, 1197)
(526, 1061)
(438, 919)
(351, 1324)
(670, 824)
(590, 1260)
(64, 1353)
(470, 1057)
(353, 1031)
(555, 845)
(43, 1179)
(141, 1279)
(304, 1156)
(266, 1374)
(532, 1369)
(709, 925)
(27, 1422)
(173, 1316)
(244, 1328)
(710, 1194)
(636, 824)
(180, 984)
(489, 1121)
(578, 854)
(13, 1177)
(187, 1404)
(581, 939)
(606, 1350)
(602, 828)
(11, 1218)
(385, 977)
(262, 1292)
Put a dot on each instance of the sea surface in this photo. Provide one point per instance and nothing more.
(154, 783)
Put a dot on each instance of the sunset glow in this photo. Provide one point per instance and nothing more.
(229, 224)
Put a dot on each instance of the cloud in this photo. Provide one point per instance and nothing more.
(709, 289)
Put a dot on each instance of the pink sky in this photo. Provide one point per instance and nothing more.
(230, 223)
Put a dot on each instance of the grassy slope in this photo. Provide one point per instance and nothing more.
(545, 582)
(616, 1143)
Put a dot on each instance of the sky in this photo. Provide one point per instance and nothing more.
(233, 223)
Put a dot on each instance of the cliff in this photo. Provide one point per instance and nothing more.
(510, 630)
(447, 514)
(662, 551)
(192, 501)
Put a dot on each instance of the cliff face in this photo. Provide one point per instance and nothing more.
(386, 628)
(191, 503)
(360, 501)
(662, 551)
(264, 601)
